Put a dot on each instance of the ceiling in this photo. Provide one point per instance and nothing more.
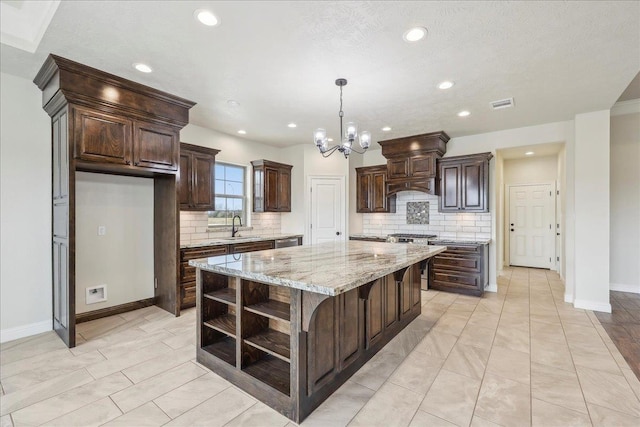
(279, 61)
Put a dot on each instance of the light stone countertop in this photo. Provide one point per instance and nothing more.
(241, 239)
(326, 268)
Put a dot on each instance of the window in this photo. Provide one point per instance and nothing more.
(230, 195)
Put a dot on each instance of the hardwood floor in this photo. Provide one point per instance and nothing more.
(623, 326)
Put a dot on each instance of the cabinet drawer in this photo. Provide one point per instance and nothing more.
(188, 295)
(471, 264)
(187, 272)
(203, 252)
(252, 246)
(449, 278)
(463, 250)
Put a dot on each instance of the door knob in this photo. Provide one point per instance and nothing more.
(337, 233)
(512, 225)
(512, 229)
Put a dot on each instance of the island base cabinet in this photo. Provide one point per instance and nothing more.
(290, 348)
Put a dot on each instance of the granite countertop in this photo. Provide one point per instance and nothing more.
(444, 241)
(241, 239)
(327, 268)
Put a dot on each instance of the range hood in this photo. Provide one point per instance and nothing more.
(411, 162)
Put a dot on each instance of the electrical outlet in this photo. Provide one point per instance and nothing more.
(102, 230)
(96, 294)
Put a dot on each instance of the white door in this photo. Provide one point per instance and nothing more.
(531, 225)
(327, 209)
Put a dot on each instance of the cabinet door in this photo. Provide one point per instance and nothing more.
(398, 168)
(363, 192)
(270, 190)
(184, 182)
(379, 202)
(101, 137)
(473, 187)
(422, 166)
(284, 191)
(450, 190)
(202, 195)
(155, 146)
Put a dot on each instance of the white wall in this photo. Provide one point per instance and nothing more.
(25, 210)
(592, 134)
(625, 203)
(531, 170)
(122, 258)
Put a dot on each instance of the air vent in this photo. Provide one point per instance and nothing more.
(503, 103)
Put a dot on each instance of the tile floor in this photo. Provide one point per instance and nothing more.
(516, 358)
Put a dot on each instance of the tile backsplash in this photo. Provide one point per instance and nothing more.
(445, 225)
(193, 227)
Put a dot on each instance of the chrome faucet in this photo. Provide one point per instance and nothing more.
(234, 230)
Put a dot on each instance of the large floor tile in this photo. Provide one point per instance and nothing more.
(340, 408)
(28, 396)
(25, 348)
(452, 397)
(467, 360)
(545, 414)
(618, 395)
(259, 414)
(557, 386)
(605, 417)
(147, 415)
(376, 371)
(478, 336)
(141, 393)
(513, 337)
(178, 401)
(159, 364)
(504, 402)
(436, 344)
(552, 354)
(96, 414)
(69, 401)
(424, 419)
(510, 364)
(376, 412)
(216, 411)
(417, 372)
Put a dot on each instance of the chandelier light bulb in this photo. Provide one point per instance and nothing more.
(365, 139)
(319, 136)
(352, 131)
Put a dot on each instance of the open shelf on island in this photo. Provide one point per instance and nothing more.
(224, 295)
(225, 323)
(224, 349)
(273, 342)
(271, 371)
(271, 308)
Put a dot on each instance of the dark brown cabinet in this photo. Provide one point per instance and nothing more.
(197, 174)
(106, 138)
(371, 190)
(271, 186)
(462, 268)
(412, 161)
(464, 183)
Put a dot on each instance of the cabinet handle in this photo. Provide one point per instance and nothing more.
(128, 162)
(135, 163)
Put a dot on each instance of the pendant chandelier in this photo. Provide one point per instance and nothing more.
(349, 136)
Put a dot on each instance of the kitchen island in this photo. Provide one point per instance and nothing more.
(290, 325)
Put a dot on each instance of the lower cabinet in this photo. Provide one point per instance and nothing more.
(461, 269)
(188, 273)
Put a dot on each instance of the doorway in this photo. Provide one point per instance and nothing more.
(531, 225)
(327, 219)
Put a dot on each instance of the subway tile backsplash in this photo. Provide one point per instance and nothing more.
(193, 227)
(445, 225)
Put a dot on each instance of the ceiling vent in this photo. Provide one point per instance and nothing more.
(503, 103)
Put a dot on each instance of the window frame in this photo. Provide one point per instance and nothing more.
(244, 197)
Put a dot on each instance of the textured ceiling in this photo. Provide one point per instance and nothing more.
(279, 60)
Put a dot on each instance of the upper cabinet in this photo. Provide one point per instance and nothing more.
(271, 186)
(464, 183)
(196, 183)
(412, 160)
(372, 192)
(106, 138)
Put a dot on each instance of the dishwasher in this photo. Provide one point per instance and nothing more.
(285, 243)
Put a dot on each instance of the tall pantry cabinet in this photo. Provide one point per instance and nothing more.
(105, 124)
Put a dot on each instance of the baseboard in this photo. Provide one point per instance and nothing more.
(623, 287)
(25, 331)
(491, 287)
(110, 311)
(592, 305)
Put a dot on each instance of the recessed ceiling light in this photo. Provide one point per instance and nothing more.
(330, 139)
(464, 113)
(415, 34)
(206, 17)
(386, 129)
(143, 68)
(445, 85)
(233, 103)
(529, 153)
(292, 125)
(242, 132)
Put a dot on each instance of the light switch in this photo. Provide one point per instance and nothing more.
(102, 230)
